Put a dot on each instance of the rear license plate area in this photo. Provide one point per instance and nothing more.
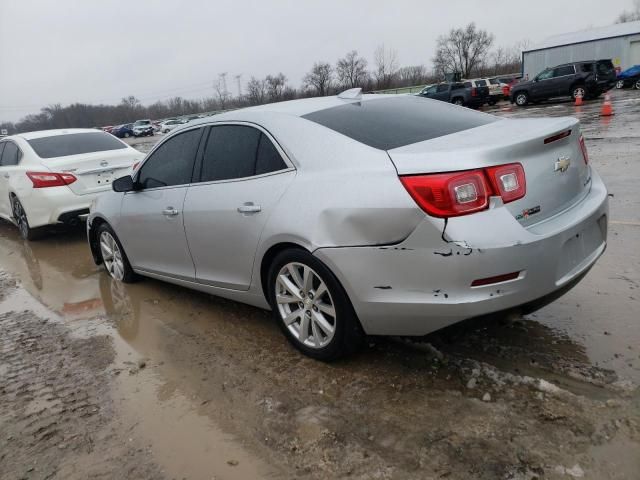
(577, 248)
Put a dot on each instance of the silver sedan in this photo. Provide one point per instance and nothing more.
(360, 214)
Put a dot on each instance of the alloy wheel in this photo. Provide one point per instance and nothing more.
(637, 85)
(305, 305)
(111, 256)
(521, 99)
(579, 92)
(20, 217)
(620, 84)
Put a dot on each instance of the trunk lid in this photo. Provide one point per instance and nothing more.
(94, 171)
(555, 171)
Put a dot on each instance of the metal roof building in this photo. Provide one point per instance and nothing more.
(619, 42)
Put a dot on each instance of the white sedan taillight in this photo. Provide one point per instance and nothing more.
(50, 179)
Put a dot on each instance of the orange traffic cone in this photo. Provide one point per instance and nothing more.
(578, 100)
(607, 108)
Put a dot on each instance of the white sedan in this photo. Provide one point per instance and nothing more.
(52, 176)
(167, 126)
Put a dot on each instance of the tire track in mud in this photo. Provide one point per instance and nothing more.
(55, 406)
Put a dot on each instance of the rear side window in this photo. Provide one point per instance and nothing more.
(172, 162)
(10, 154)
(457, 86)
(467, 84)
(75, 144)
(442, 88)
(605, 67)
(586, 67)
(387, 123)
(238, 151)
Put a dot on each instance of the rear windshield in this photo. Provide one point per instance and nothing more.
(74, 144)
(395, 122)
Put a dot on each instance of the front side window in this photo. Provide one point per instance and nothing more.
(443, 88)
(172, 162)
(430, 91)
(238, 151)
(546, 74)
(10, 154)
(481, 83)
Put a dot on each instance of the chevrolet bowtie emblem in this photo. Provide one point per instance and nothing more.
(562, 164)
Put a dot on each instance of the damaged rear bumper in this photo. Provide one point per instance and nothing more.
(424, 283)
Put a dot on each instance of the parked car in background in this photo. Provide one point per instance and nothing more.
(108, 128)
(142, 128)
(52, 176)
(479, 214)
(506, 83)
(630, 78)
(457, 93)
(586, 79)
(493, 90)
(168, 125)
(123, 131)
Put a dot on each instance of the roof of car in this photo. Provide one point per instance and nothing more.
(53, 133)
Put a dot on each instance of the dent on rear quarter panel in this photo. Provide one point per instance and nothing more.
(344, 194)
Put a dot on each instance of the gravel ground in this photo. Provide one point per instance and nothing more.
(102, 380)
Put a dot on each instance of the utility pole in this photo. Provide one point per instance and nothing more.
(225, 92)
(237, 77)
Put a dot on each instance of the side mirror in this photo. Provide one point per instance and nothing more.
(123, 184)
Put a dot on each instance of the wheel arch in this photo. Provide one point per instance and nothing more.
(92, 237)
(268, 257)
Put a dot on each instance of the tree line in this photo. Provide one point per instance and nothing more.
(467, 50)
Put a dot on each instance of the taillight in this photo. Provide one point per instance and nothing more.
(583, 147)
(50, 179)
(449, 194)
(459, 193)
(474, 92)
(508, 181)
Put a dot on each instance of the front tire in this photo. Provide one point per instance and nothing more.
(22, 222)
(522, 99)
(311, 307)
(636, 85)
(620, 84)
(114, 259)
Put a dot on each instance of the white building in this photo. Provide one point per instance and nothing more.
(619, 42)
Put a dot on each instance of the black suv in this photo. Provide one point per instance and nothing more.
(587, 79)
(458, 93)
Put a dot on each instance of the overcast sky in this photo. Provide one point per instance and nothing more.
(101, 50)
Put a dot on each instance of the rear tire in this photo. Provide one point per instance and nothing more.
(620, 84)
(319, 319)
(113, 257)
(458, 101)
(22, 222)
(127, 134)
(636, 85)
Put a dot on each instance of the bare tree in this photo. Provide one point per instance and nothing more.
(275, 86)
(352, 70)
(256, 91)
(463, 50)
(386, 66)
(412, 75)
(319, 78)
(630, 16)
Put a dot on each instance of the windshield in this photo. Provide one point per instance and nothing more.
(74, 144)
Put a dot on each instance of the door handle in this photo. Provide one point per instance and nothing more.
(170, 212)
(249, 207)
